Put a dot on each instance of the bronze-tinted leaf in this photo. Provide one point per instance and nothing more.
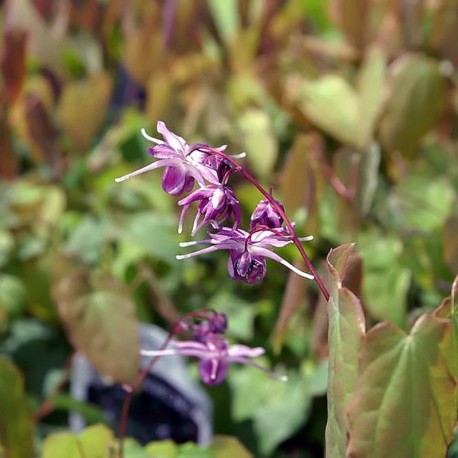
(346, 332)
(404, 399)
(352, 17)
(83, 107)
(100, 320)
(301, 179)
(13, 62)
(416, 98)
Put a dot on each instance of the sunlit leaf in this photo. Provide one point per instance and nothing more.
(16, 427)
(333, 105)
(226, 17)
(258, 141)
(346, 331)
(404, 401)
(162, 449)
(414, 104)
(93, 442)
(301, 179)
(228, 447)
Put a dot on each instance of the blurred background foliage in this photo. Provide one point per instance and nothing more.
(347, 108)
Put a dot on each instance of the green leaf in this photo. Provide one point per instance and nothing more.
(88, 239)
(101, 324)
(153, 234)
(162, 449)
(421, 201)
(228, 447)
(367, 178)
(94, 442)
(259, 141)
(16, 427)
(414, 104)
(370, 83)
(404, 402)
(346, 331)
(226, 17)
(190, 450)
(12, 295)
(333, 105)
(265, 401)
(385, 280)
(454, 321)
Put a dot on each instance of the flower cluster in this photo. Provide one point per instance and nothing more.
(208, 344)
(185, 165)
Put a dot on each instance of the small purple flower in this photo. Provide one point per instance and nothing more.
(215, 202)
(183, 164)
(266, 215)
(247, 251)
(213, 350)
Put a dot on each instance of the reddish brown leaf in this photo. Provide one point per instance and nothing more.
(13, 62)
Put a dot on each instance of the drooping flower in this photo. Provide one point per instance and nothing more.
(247, 251)
(213, 350)
(184, 164)
(216, 202)
(266, 215)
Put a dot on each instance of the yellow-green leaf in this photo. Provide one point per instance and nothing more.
(16, 427)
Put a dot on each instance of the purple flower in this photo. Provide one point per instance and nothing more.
(266, 215)
(183, 164)
(213, 350)
(247, 251)
(215, 202)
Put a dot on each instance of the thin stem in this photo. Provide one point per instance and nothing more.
(294, 236)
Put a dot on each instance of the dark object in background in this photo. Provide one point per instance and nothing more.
(170, 405)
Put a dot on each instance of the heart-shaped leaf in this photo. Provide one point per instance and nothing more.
(404, 401)
(101, 323)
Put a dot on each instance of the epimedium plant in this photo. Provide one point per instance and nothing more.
(373, 373)
(359, 101)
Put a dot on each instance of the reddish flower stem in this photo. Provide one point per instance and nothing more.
(288, 223)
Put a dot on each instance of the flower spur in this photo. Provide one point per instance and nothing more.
(247, 251)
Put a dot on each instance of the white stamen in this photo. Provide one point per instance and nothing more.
(137, 172)
(165, 352)
(296, 270)
(306, 239)
(185, 244)
(149, 138)
(238, 156)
